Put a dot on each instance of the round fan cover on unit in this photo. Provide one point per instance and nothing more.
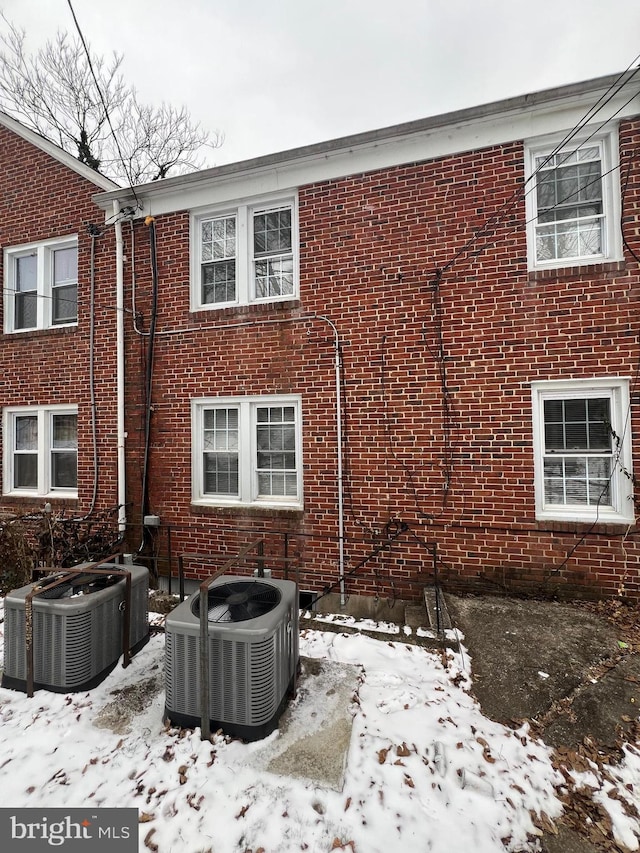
(239, 601)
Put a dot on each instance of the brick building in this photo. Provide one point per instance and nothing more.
(57, 365)
(406, 351)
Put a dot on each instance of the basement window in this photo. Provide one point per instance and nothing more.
(41, 451)
(582, 450)
(41, 285)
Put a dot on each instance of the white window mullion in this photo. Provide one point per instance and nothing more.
(44, 451)
(242, 262)
(45, 277)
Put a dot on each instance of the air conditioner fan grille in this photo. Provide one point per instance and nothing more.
(238, 601)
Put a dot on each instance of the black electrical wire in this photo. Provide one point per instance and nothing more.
(393, 530)
(149, 377)
(92, 381)
(104, 103)
(494, 221)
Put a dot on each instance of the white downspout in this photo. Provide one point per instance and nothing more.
(339, 442)
(122, 492)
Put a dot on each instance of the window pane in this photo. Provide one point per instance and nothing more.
(26, 273)
(25, 471)
(64, 469)
(218, 249)
(220, 460)
(65, 431)
(219, 282)
(576, 436)
(275, 433)
(554, 436)
(277, 485)
(599, 436)
(218, 238)
(65, 285)
(65, 304)
(64, 454)
(575, 466)
(575, 429)
(221, 473)
(569, 205)
(577, 424)
(576, 492)
(221, 429)
(274, 277)
(26, 310)
(272, 231)
(26, 432)
(65, 265)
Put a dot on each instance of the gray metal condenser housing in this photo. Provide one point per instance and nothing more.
(252, 663)
(78, 635)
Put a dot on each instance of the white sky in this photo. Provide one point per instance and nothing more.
(284, 73)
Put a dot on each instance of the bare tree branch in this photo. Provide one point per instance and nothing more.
(54, 92)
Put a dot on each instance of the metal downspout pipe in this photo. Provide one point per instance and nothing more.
(120, 376)
(339, 443)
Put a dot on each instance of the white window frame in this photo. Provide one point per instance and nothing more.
(243, 212)
(44, 252)
(44, 415)
(610, 170)
(247, 451)
(621, 510)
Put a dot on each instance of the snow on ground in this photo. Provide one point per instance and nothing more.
(426, 771)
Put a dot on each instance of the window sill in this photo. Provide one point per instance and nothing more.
(577, 271)
(28, 334)
(14, 499)
(246, 510)
(607, 526)
(242, 312)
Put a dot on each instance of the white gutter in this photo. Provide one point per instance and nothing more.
(121, 435)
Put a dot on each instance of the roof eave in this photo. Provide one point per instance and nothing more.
(559, 95)
(57, 153)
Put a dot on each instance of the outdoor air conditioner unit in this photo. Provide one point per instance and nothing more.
(77, 628)
(253, 656)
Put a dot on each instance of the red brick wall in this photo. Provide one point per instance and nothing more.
(436, 381)
(41, 199)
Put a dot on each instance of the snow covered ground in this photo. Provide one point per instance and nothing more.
(426, 771)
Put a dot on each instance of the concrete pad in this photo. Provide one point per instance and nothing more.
(598, 708)
(313, 738)
(527, 654)
(566, 841)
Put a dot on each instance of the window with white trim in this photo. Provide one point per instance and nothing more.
(41, 285)
(41, 451)
(582, 450)
(573, 203)
(247, 450)
(245, 254)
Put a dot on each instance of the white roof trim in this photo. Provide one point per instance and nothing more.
(502, 122)
(57, 153)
